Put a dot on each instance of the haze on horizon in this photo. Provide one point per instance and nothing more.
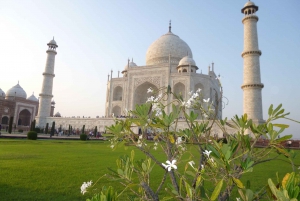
(96, 37)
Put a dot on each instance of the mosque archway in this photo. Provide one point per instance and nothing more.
(117, 95)
(4, 120)
(179, 89)
(116, 111)
(24, 118)
(141, 95)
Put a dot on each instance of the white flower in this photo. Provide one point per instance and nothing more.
(155, 144)
(198, 90)
(159, 96)
(206, 100)
(150, 99)
(170, 165)
(112, 146)
(158, 112)
(155, 147)
(183, 148)
(141, 137)
(202, 166)
(183, 103)
(178, 140)
(238, 199)
(84, 186)
(192, 163)
(190, 93)
(207, 153)
(150, 90)
(195, 95)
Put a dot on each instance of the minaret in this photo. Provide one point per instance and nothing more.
(46, 94)
(252, 99)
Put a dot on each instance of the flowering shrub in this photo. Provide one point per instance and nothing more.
(221, 163)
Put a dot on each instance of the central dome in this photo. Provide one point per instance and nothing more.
(168, 44)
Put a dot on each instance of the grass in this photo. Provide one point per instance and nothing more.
(55, 170)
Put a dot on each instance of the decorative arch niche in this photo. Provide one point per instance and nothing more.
(179, 88)
(4, 120)
(197, 86)
(141, 95)
(117, 94)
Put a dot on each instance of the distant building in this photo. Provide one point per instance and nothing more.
(14, 103)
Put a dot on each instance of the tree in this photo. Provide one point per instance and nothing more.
(95, 131)
(52, 129)
(47, 127)
(219, 165)
(82, 130)
(10, 124)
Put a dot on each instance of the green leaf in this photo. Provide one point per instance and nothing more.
(191, 173)
(270, 111)
(238, 182)
(284, 138)
(189, 190)
(217, 190)
(249, 195)
(281, 125)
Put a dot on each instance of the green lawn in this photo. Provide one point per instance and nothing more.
(55, 170)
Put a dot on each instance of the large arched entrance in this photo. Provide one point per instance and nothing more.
(116, 111)
(4, 120)
(141, 95)
(24, 118)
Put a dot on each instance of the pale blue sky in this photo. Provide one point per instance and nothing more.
(97, 36)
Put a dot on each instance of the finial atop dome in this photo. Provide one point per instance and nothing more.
(170, 27)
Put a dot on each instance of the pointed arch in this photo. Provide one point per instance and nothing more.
(141, 95)
(179, 88)
(198, 86)
(24, 118)
(4, 120)
(116, 110)
(117, 94)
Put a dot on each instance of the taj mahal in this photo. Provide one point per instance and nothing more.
(169, 62)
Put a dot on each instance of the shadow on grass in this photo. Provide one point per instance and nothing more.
(8, 193)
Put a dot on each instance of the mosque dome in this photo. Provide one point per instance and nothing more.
(17, 91)
(33, 98)
(168, 44)
(187, 60)
(53, 102)
(2, 94)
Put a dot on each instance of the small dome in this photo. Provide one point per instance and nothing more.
(33, 98)
(185, 61)
(2, 94)
(53, 102)
(17, 91)
(131, 64)
(249, 3)
(57, 114)
(52, 42)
